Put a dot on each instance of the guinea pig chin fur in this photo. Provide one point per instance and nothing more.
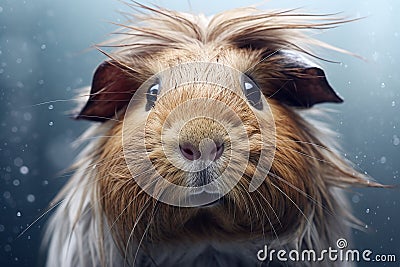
(107, 219)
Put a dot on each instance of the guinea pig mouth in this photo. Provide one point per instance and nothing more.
(204, 188)
(203, 177)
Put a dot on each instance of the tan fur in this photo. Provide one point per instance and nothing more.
(298, 204)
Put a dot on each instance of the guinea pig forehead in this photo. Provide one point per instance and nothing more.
(219, 66)
(200, 74)
(239, 59)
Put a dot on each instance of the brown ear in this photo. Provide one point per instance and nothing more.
(305, 83)
(112, 88)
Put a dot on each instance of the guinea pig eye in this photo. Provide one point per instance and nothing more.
(152, 94)
(252, 92)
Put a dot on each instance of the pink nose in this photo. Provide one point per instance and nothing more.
(208, 152)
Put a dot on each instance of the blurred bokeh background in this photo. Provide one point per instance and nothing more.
(44, 57)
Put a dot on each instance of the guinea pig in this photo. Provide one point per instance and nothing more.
(206, 147)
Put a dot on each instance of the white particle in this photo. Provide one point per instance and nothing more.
(355, 199)
(20, 84)
(16, 182)
(51, 123)
(51, 107)
(30, 198)
(19, 60)
(383, 160)
(43, 47)
(18, 162)
(383, 85)
(41, 82)
(367, 211)
(19, 214)
(393, 103)
(375, 56)
(27, 116)
(24, 170)
(396, 140)
(6, 195)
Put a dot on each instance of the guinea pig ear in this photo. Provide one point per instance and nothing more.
(112, 88)
(304, 83)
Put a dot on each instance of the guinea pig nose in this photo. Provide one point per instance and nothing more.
(219, 151)
(208, 151)
(189, 151)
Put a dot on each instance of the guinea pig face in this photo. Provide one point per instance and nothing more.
(206, 141)
(192, 136)
(201, 127)
(201, 148)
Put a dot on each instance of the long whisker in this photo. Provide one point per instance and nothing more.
(133, 199)
(308, 143)
(270, 223)
(279, 89)
(145, 207)
(98, 117)
(319, 204)
(89, 208)
(269, 220)
(51, 102)
(145, 232)
(93, 165)
(270, 206)
(291, 200)
(79, 140)
(255, 208)
(38, 218)
(247, 206)
(308, 156)
(98, 200)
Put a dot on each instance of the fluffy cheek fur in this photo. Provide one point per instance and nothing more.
(283, 202)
